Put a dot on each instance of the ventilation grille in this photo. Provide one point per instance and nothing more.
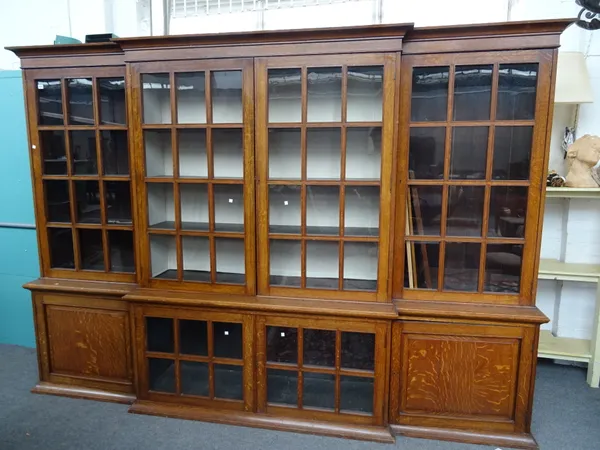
(191, 8)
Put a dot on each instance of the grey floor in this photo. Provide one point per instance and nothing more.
(566, 417)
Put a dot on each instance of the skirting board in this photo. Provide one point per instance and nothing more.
(346, 431)
(83, 393)
(519, 440)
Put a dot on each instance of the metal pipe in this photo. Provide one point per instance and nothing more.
(21, 226)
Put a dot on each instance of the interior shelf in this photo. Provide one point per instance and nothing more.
(568, 349)
(566, 192)
(552, 269)
(203, 276)
(323, 230)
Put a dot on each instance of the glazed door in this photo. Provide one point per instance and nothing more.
(195, 152)
(322, 369)
(324, 141)
(80, 156)
(470, 175)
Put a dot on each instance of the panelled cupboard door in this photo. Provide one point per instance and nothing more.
(79, 139)
(470, 175)
(324, 151)
(322, 369)
(195, 357)
(195, 150)
(467, 376)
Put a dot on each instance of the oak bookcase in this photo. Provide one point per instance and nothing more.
(330, 231)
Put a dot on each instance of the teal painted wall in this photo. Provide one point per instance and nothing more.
(18, 247)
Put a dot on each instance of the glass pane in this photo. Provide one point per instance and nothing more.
(194, 206)
(322, 264)
(226, 92)
(361, 217)
(163, 257)
(196, 258)
(115, 152)
(228, 153)
(323, 154)
(191, 97)
(422, 265)
(282, 387)
(426, 153)
(54, 152)
(461, 272)
(285, 95)
(360, 266)
(363, 153)
(159, 156)
(319, 348)
(81, 101)
(429, 94)
(161, 375)
(156, 98)
(472, 92)
(118, 202)
(358, 351)
(231, 267)
(192, 154)
(112, 101)
(161, 207)
(323, 210)
(83, 152)
(193, 337)
(319, 390)
(159, 335)
(120, 244)
(365, 91)
(285, 159)
(517, 91)
(57, 201)
(425, 210)
(194, 378)
(285, 263)
(61, 248)
(465, 210)
(90, 249)
(50, 107)
(229, 207)
(469, 153)
(356, 394)
(508, 209)
(229, 382)
(503, 268)
(87, 194)
(282, 345)
(324, 94)
(227, 339)
(512, 153)
(284, 209)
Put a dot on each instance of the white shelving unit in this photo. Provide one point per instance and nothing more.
(570, 349)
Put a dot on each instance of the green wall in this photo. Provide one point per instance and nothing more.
(18, 246)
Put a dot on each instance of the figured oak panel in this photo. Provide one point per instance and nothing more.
(453, 375)
(88, 342)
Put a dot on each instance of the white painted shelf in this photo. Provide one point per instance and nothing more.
(567, 192)
(563, 348)
(553, 269)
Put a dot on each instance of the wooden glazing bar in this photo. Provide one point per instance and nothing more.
(324, 125)
(213, 259)
(177, 362)
(516, 183)
(67, 225)
(338, 363)
(464, 239)
(311, 237)
(303, 157)
(325, 182)
(300, 338)
(472, 123)
(211, 355)
(222, 234)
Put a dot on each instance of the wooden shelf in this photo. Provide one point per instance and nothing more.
(568, 349)
(566, 192)
(552, 269)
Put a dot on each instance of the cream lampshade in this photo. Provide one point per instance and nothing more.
(572, 79)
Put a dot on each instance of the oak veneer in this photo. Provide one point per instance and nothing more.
(404, 353)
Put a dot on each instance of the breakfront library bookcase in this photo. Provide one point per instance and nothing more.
(330, 231)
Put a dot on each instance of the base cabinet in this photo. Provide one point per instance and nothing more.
(84, 346)
(463, 376)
